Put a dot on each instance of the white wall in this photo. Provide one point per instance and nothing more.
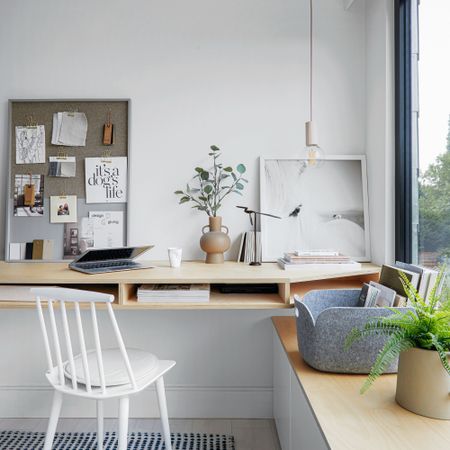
(201, 72)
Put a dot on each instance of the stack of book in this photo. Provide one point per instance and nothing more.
(247, 247)
(173, 293)
(318, 259)
(390, 291)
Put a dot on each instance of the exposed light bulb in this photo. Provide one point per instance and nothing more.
(314, 156)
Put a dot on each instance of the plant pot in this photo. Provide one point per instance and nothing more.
(423, 385)
(215, 242)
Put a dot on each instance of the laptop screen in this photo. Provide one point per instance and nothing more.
(112, 253)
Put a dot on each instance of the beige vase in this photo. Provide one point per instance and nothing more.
(215, 242)
(423, 385)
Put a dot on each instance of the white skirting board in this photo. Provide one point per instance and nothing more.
(183, 402)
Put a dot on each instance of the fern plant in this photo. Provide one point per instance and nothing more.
(426, 326)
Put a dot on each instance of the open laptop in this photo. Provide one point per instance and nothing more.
(109, 260)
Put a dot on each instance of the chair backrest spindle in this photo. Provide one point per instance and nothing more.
(98, 348)
(87, 374)
(56, 343)
(68, 340)
(48, 351)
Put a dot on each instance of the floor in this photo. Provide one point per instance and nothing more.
(249, 434)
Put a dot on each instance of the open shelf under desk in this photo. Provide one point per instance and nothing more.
(217, 300)
(350, 282)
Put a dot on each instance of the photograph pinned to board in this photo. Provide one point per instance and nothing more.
(322, 206)
(62, 166)
(63, 208)
(108, 228)
(106, 180)
(30, 144)
(78, 237)
(69, 129)
(28, 195)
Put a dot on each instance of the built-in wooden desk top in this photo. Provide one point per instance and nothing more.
(351, 421)
(124, 285)
(190, 271)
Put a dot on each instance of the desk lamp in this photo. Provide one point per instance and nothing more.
(252, 215)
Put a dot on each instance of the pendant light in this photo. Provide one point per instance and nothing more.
(314, 153)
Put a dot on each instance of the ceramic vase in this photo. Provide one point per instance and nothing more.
(423, 385)
(215, 242)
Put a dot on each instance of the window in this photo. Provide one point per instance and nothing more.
(423, 131)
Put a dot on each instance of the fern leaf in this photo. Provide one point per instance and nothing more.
(391, 350)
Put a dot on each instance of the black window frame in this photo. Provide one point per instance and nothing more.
(403, 132)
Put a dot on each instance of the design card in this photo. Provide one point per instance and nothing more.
(30, 145)
(29, 195)
(63, 208)
(108, 228)
(106, 180)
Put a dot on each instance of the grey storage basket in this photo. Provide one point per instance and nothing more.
(324, 319)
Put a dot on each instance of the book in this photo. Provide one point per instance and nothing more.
(173, 293)
(247, 246)
(316, 259)
(400, 301)
(38, 248)
(42, 249)
(368, 296)
(386, 296)
(427, 278)
(390, 277)
(337, 267)
(28, 250)
(317, 253)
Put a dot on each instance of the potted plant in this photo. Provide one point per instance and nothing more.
(211, 187)
(420, 338)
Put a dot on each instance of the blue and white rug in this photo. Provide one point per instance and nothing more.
(20, 440)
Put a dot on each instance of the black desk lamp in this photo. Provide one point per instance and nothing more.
(252, 215)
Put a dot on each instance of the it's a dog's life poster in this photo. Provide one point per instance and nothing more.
(106, 180)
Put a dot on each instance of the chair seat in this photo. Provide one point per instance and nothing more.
(142, 364)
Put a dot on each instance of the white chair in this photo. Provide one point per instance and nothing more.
(95, 374)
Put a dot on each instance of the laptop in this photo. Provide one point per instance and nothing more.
(109, 260)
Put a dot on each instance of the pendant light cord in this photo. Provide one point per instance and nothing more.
(310, 60)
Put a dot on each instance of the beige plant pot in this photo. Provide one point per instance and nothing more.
(423, 385)
(215, 242)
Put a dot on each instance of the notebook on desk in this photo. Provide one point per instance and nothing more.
(105, 260)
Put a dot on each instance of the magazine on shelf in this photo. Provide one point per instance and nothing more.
(173, 293)
(337, 267)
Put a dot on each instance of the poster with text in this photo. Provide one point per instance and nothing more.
(106, 180)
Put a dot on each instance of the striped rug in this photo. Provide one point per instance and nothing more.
(20, 440)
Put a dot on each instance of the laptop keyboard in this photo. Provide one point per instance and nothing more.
(107, 264)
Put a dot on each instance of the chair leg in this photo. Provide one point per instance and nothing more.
(100, 435)
(53, 420)
(161, 392)
(124, 406)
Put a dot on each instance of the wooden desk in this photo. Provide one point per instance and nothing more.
(349, 420)
(124, 285)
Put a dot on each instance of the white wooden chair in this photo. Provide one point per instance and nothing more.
(95, 374)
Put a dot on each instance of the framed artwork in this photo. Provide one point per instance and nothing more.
(323, 206)
(63, 208)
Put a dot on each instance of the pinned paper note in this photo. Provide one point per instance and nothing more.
(30, 144)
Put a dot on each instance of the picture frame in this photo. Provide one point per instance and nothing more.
(324, 206)
(63, 209)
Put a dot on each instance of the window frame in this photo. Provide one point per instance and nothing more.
(403, 132)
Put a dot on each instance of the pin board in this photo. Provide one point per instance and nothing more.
(68, 177)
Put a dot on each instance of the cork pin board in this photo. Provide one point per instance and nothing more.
(29, 114)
